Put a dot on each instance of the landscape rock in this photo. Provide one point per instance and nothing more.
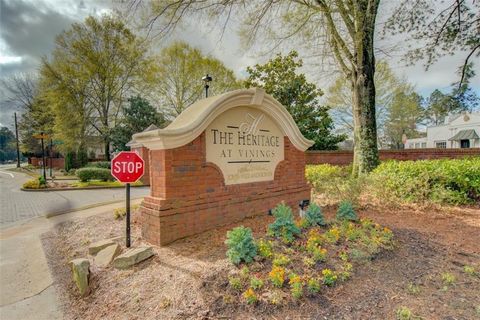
(132, 257)
(80, 273)
(106, 255)
(94, 248)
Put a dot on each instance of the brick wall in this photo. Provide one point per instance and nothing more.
(342, 157)
(58, 163)
(144, 154)
(189, 196)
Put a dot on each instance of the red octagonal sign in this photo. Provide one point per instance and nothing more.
(127, 167)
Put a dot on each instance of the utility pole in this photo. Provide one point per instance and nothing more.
(16, 136)
(51, 159)
(43, 158)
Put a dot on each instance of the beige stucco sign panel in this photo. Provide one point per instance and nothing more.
(246, 144)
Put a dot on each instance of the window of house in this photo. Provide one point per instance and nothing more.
(410, 145)
(424, 144)
(417, 145)
(441, 144)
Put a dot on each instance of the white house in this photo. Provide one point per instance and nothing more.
(458, 131)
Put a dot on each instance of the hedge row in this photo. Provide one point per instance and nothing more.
(99, 164)
(448, 181)
(91, 173)
(452, 181)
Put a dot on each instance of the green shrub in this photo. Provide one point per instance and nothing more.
(265, 248)
(314, 215)
(449, 181)
(317, 174)
(42, 181)
(256, 283)
(283, 227)
(404, 313)
(335, 183)
(99, 164)
(235, 283)
(87, 174)
(241, 245)
(313, 285)
(346, 212)
(69, 161)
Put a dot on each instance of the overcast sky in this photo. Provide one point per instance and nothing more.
(28, 29)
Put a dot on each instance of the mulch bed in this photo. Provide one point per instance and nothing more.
(188, 279)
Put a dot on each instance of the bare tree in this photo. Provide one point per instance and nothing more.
(439, 28)
(21, 90)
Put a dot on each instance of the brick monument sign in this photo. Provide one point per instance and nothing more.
(223, 159)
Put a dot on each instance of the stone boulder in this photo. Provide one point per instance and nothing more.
(132, 257)
(80, 273)
(94, 248)
(106, 255)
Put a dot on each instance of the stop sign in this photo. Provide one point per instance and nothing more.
(127, 167)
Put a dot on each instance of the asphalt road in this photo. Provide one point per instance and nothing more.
(17, 205)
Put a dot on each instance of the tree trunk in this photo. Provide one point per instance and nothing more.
(107, 149)
(363, 87)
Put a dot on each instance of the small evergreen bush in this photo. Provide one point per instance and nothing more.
(346, 212)
(241, 245)
(314, 216)
(42, 181)
(87, 174)
(283, 227)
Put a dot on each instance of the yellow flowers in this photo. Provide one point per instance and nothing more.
(319, 254)
(277, 276)
(296, 286)
(250, 296)
(314, 239)
(329, 277)
(332, 235)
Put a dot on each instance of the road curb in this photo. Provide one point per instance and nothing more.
(73, 189)
(101, 204)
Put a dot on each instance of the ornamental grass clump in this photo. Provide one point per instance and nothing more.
(284, 226)
(346, 212)
(314, 216)
(241, 245)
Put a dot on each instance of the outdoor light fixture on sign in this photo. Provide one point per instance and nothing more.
(127, 167)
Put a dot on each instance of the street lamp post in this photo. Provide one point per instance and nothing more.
(207, 79)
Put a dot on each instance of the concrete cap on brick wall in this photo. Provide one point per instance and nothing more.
(196, 118)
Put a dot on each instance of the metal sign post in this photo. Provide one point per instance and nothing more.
(127, 167)
(127, 205)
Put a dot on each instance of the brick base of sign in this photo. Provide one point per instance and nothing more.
(143, 153)
(189, 196)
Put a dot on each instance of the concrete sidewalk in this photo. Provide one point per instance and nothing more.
(27, 287)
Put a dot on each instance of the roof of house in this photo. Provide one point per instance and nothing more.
(464, 135)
